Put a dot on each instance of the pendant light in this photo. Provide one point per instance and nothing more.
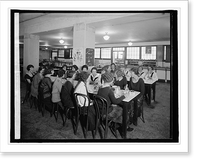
(61, 41)
(65, 46)
(130, 43)
(106, 37)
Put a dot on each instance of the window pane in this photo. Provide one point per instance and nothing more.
(106, 53)
(149, 53)
(118, 49)
(133, 52)
(165, 52)
(97, 53)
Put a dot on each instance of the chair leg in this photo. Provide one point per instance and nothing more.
(42, 109)
(77, 124)
(142, 115)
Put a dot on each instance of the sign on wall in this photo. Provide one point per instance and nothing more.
(89, 56)
(78, 56)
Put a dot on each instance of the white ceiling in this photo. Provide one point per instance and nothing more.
(139, 27)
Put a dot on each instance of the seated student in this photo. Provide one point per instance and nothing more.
(75, 68)
(136, 84)
(106, 68)
(151, 74)
(84, 68)
(68, 90)
(81, 88)
(141, 72)
(64, 69)
(113, 68)
(120, 79)
(94, 78)
(56, 89)
(114, 111)
(45, 89)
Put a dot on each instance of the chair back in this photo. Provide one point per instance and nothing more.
(82, 110)
(102, 112)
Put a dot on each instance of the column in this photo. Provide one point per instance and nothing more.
(31, 52)
(83, 38)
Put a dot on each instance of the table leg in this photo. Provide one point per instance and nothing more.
(135, 116)
(149, 94)
(124, 121)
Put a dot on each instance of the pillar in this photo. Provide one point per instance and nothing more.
(31, 52)
(83, 38)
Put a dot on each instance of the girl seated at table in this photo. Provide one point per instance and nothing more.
(114, 111)
(68, 90)
(56, 89)
(136, 84)
(120, 79)
(151, 74)
(45, 90)
(75, 68)
(94, 78)
(81, 88)
(141, 72)
(106, 68)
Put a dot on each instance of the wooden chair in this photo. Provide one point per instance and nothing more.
(102, 108)
(66, 112)
(82, 114)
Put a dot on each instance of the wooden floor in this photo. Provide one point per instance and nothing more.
(156, 126)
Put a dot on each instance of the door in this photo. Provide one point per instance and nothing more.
(118, 57)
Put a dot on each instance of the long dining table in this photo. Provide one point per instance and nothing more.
(126, 104)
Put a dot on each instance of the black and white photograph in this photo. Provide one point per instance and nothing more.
(96, 76)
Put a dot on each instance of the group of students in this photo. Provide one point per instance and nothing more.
(50, 90)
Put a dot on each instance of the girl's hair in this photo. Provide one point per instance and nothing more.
(150, 67)
(60, 73)
(135, 70)
(105, 68)
(29, 67)
(47, 71)
(40, 68)
(84, 66)
(64, 66)
(83, 76)
(93, 68)
(75, 67)
(119, 73)
(70, 74)
(113, 64)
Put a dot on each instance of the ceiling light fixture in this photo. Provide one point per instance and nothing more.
(106, 37)
(65, 46)
(130, 43)
(61, 41)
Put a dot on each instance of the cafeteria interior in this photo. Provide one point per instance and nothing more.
(114, 46)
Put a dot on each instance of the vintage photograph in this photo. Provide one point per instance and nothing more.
(94, 76)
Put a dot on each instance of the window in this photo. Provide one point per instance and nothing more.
(118, 49)
(133, 52)
(106, 53)
(54, 54)
(149, 53)
(61, 53)
(97, 53)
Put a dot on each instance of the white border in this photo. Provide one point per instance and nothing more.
(181, 6)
